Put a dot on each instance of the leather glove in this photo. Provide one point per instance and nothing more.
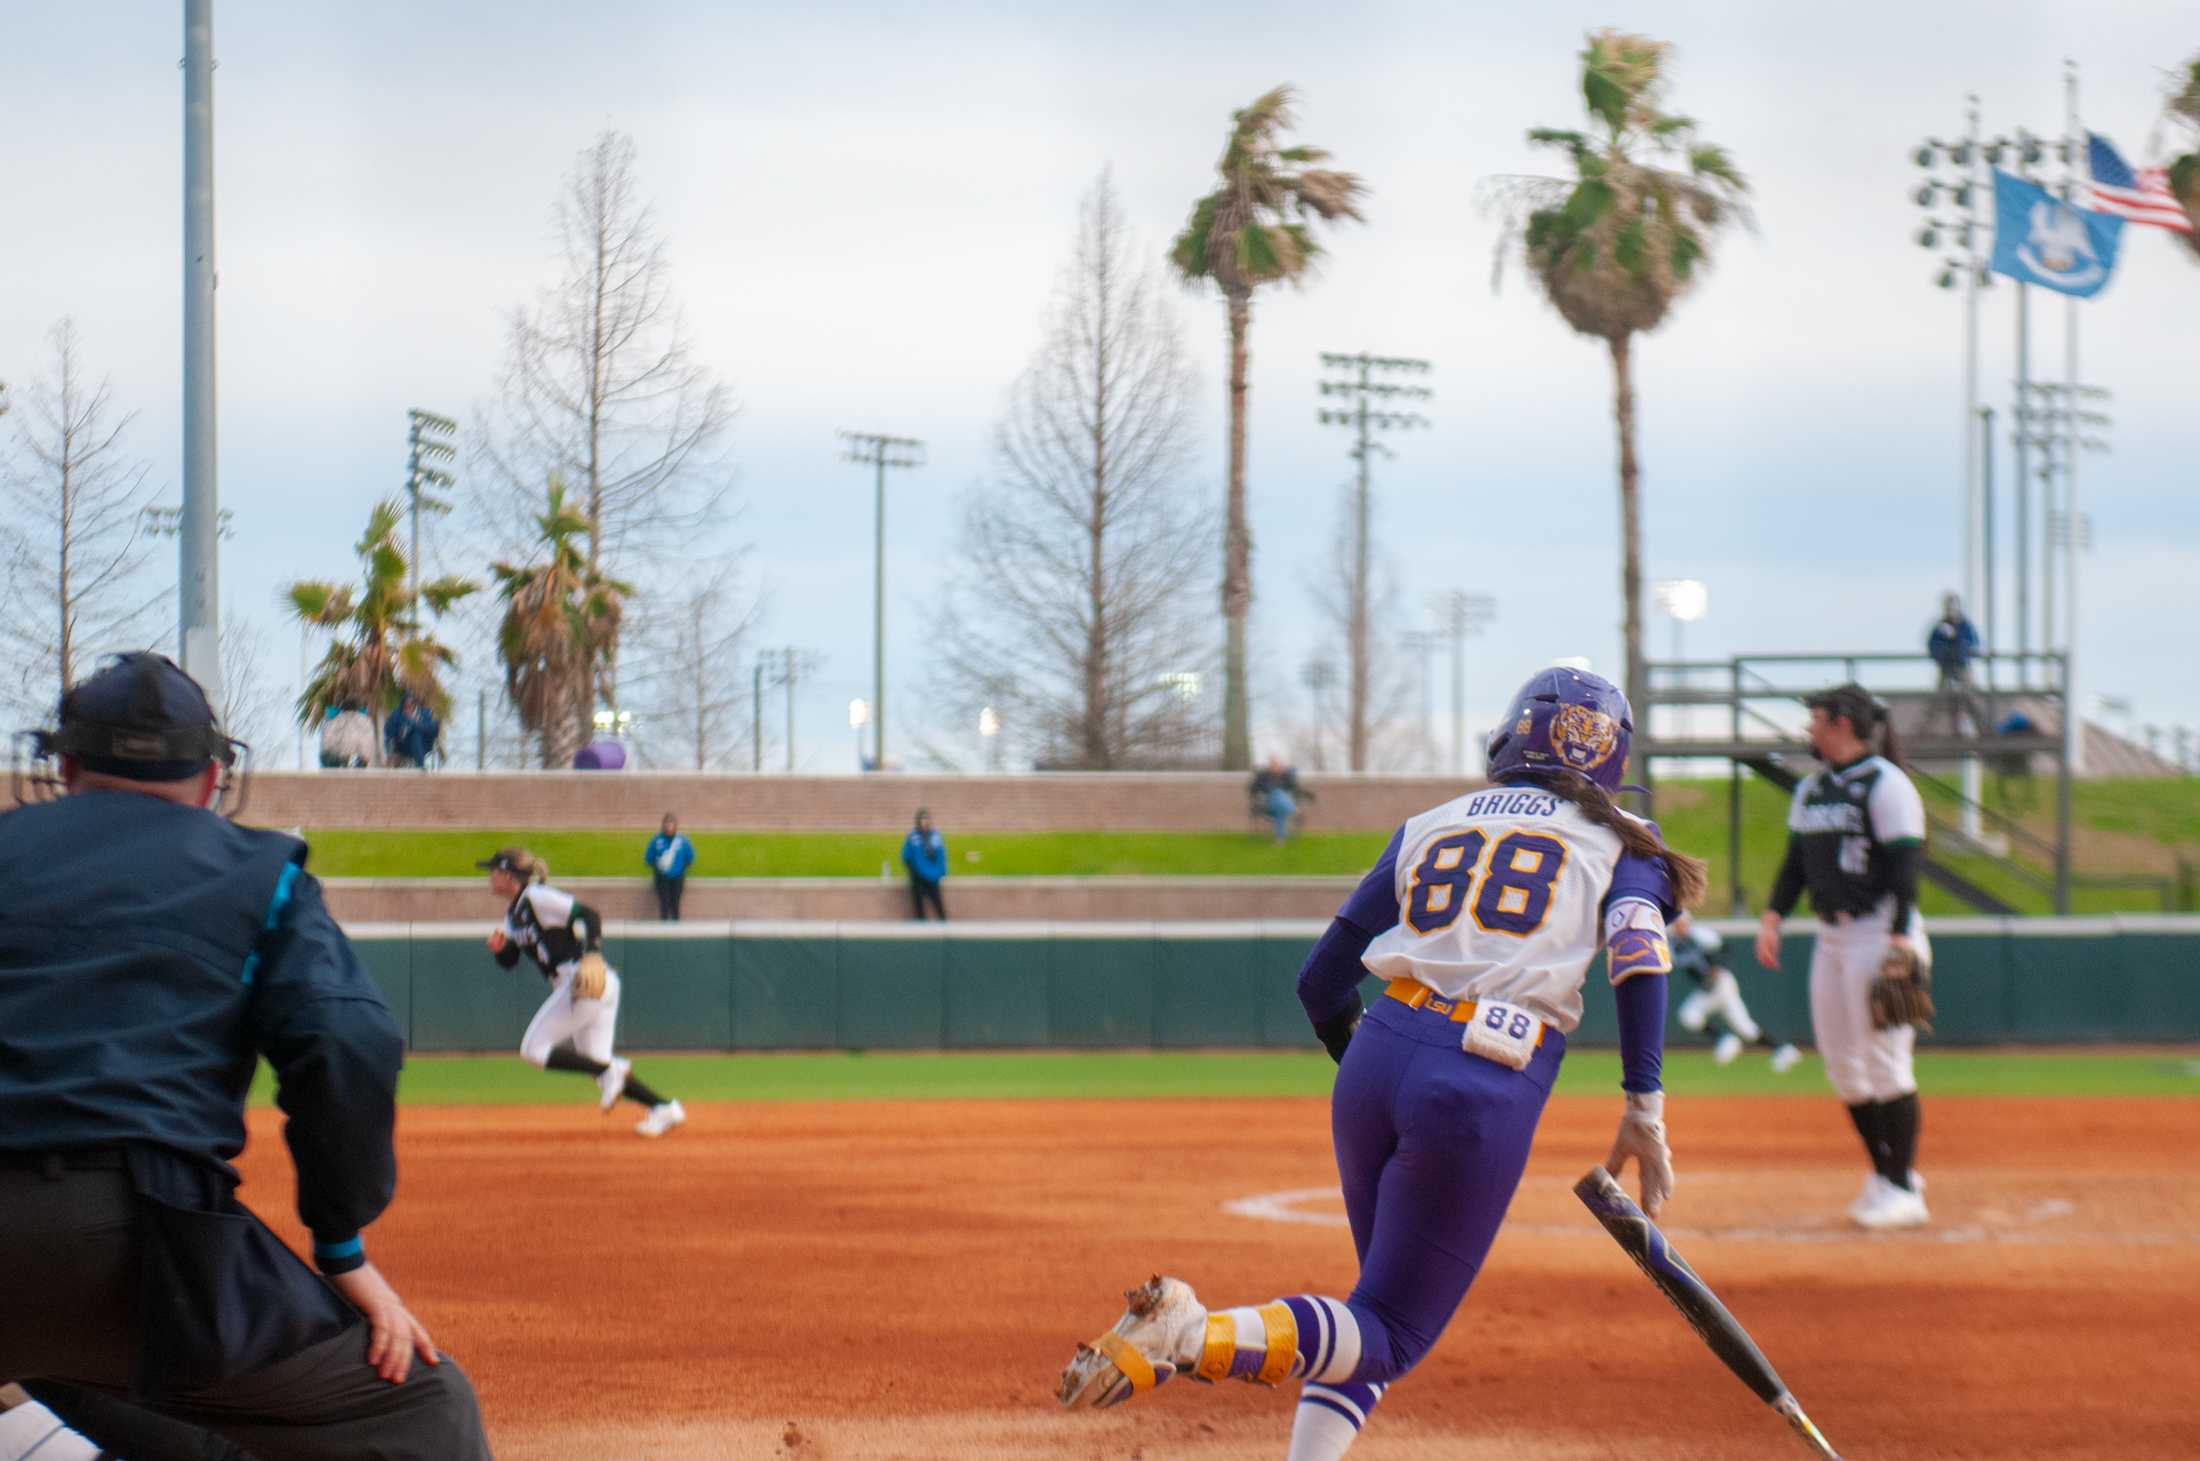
(1642, 1136)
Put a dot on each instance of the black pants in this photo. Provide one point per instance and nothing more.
(69, 1270)
(668, 896)
(920, 892)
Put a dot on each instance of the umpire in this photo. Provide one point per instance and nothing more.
(151, 952)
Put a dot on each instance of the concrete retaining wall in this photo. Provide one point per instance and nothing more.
(1045, 802)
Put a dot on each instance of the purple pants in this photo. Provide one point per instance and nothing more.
(1431, 1142)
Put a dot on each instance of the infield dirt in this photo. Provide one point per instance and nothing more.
(843, 1281)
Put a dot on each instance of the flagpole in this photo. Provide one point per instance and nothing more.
(2072, 530)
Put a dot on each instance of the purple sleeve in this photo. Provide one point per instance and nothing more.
(1329, 981)
(1641, 1002)
(1645, 878)
(1373, 906)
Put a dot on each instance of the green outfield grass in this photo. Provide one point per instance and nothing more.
(2150, 814)
(1121, 1075)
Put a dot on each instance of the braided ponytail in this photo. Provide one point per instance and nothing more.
(1637, 836)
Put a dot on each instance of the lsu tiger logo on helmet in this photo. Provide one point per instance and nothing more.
(1583, 738)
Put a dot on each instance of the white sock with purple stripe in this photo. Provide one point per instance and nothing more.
(1329, 1419)
(1329, 1339)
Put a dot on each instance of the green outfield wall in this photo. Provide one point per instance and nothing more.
(805, 986)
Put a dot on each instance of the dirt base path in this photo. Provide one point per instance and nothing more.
(834, 1282)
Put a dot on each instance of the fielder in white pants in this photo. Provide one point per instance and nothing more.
(557, 931)
(1856, 842)
(1863, 1065)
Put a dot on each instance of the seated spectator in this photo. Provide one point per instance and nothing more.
(2013, 769)
(1277, 795)
(347, 737)
(410, 734)
(669, 855)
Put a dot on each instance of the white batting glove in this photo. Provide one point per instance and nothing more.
(1642, 1136)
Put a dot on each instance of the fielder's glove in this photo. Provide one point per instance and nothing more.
(1903, 992)
(590, 976)
(1642, 1136)
(1335, 1033)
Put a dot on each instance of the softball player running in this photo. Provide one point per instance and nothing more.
(1856, 840)
(573, 1029)
(1483, 915)
(1715, 1004)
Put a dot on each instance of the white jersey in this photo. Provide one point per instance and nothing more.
(1501, 895)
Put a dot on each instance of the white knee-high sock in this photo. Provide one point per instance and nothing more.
(1329, 1419)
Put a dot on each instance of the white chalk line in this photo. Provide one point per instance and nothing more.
(2022, 1228)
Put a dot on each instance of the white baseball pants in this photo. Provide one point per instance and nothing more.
(588, 1023)
(1862, 1064)
(1720, 995)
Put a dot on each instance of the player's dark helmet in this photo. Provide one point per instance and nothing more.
(1864, 711)
(138, 717)
(1564, 719)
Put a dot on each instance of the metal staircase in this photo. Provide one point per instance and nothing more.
(1762, 732)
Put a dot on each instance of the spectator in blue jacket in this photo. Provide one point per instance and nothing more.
(924, 852)
(1953, 644)
(410, 733)
(668, 855)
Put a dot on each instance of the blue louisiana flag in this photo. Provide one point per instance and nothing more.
(2040, 239)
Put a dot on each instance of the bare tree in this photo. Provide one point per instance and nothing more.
(247, 705)
(601, 389)
(689, 669)
(1358, 604)
(1069, 613)
(72, 530)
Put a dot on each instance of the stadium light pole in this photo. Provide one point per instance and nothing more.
(431, 439)
(1460, 614)
(1369, 410)
(873, 449)
(198, 568)
(1422, 644)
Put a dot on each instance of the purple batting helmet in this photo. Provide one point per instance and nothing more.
(1566, 719)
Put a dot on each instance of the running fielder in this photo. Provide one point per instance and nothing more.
(1484, 915)
(1715, 1004)
(573, 1029)
(1856, 840)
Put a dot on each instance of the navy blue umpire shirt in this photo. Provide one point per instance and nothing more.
(150, 953)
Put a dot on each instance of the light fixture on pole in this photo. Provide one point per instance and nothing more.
(1684, 601)
(429, 439)
(989, 731)
(1459, 614)
(1371, 405)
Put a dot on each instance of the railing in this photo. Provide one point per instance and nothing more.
(1754, 689)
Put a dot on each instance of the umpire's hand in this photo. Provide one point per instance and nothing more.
(397, 1335)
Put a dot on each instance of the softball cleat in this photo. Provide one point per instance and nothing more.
(612, 1082)
(662, 1119)
(1158, 1335)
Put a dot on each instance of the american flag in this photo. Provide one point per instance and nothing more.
(2142, 196)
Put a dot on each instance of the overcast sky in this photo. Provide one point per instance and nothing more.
(866, 206)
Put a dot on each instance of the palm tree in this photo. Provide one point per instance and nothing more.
(1254, 230)
(1615, 245)
(2184, 170)
(380, 648)
(560, 629)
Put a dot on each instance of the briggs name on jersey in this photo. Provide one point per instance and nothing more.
(1508, 801)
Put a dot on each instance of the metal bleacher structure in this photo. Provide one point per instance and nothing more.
(1747, 713)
